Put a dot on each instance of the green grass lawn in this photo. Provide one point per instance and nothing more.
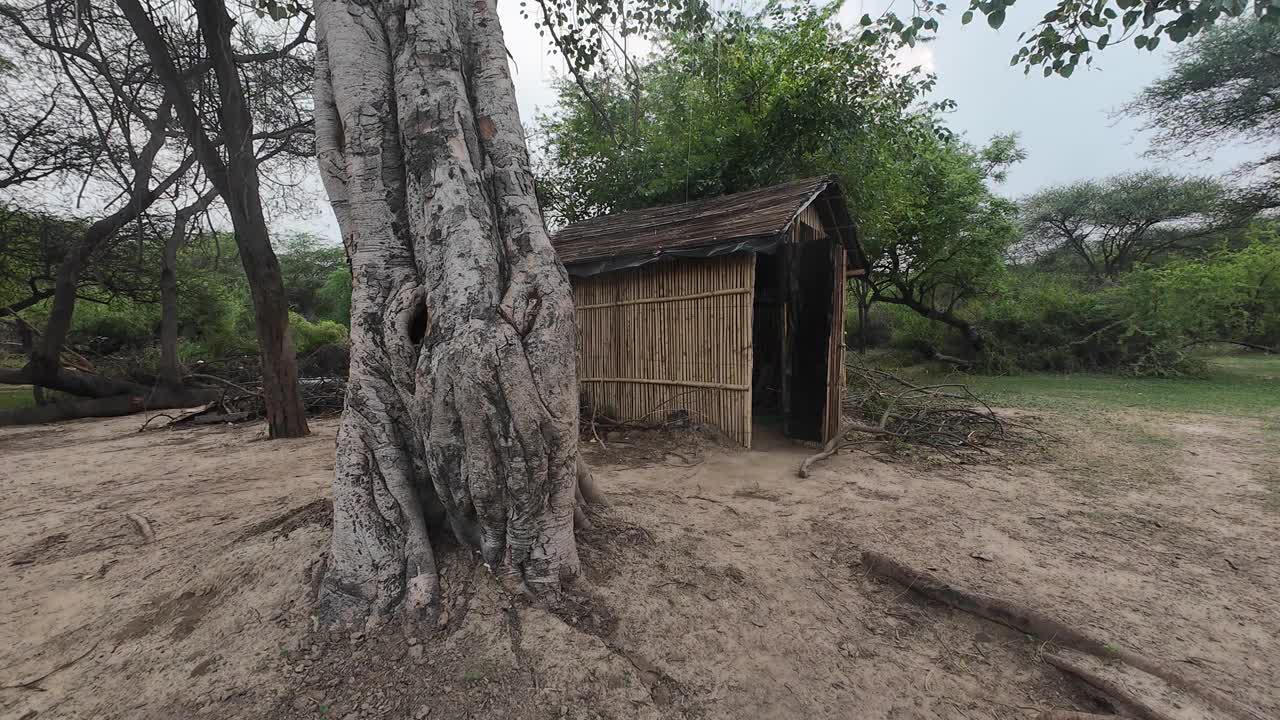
(1240, 385)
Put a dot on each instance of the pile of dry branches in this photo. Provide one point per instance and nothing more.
(884, 413)
(242, 401)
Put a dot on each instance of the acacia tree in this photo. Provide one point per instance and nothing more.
(1109, 226)
(1222, 86)
(936, 234)
(102, 120)
(232, 168)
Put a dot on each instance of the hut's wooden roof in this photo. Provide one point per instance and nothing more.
(702, 224)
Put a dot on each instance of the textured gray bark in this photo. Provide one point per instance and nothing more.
(461, 410)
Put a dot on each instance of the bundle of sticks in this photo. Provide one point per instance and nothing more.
(885, 413)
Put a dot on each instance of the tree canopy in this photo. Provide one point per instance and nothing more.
(1114, 224)
(1072, 31)
(752, 101)
(1224, 86)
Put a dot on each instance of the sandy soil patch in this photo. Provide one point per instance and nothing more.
(718, 585)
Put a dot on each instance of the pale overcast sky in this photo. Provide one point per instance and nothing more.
(1068, 125)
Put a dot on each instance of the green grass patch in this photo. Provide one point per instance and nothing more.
(13, 397)
(1244, 386)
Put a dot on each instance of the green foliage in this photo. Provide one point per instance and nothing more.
(785, 93)
(313, 274)
(1223, 86)
(1235, 296)
(333, 299)
(1109, 226)
(756, 100)
(1048, 322)
(1072, 30)
(1146, 324)
(307, 336)
(124, 322)
(935, 233)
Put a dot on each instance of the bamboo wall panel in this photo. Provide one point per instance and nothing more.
(669, 337)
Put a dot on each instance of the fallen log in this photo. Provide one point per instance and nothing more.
(1122, 697)
(1032, 622)
(112, 406)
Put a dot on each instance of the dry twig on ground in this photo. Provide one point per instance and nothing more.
(948, 419)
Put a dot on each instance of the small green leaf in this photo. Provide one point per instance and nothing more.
(1140, 41)
(967, 17)
(1066, 71)
(1103, 39)
(866, 20)
(996, 18)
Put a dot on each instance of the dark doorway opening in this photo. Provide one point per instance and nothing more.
(808, 337)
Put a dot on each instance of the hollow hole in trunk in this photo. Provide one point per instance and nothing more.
(418, 323)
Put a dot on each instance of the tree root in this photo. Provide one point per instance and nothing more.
(590, 492)
(839, 442)
(1071, 715)
(1123, 697)
(142, 526)
(585, 492)
(1031, 622)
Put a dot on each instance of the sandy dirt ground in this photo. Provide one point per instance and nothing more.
(169, 574)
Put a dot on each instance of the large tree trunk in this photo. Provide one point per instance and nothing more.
(461, 409)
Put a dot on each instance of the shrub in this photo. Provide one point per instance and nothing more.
(308, 336)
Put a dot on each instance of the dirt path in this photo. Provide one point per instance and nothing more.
(718, 585)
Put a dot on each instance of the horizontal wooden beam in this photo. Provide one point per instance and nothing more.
(677, 383)
(672, 298)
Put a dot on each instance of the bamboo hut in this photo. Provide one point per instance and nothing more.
(730, 309)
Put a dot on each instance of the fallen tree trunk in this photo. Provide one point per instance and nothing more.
(160, 398)
(1032, 622)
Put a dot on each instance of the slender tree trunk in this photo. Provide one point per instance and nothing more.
(170, 371)
(286, 412)
(170, 368)
(236, 180)
(461, 409)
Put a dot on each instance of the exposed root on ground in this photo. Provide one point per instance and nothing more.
(1032, 622)
(1115, 691)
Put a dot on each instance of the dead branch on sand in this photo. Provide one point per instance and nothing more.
(946, 418)
(1035, 623)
